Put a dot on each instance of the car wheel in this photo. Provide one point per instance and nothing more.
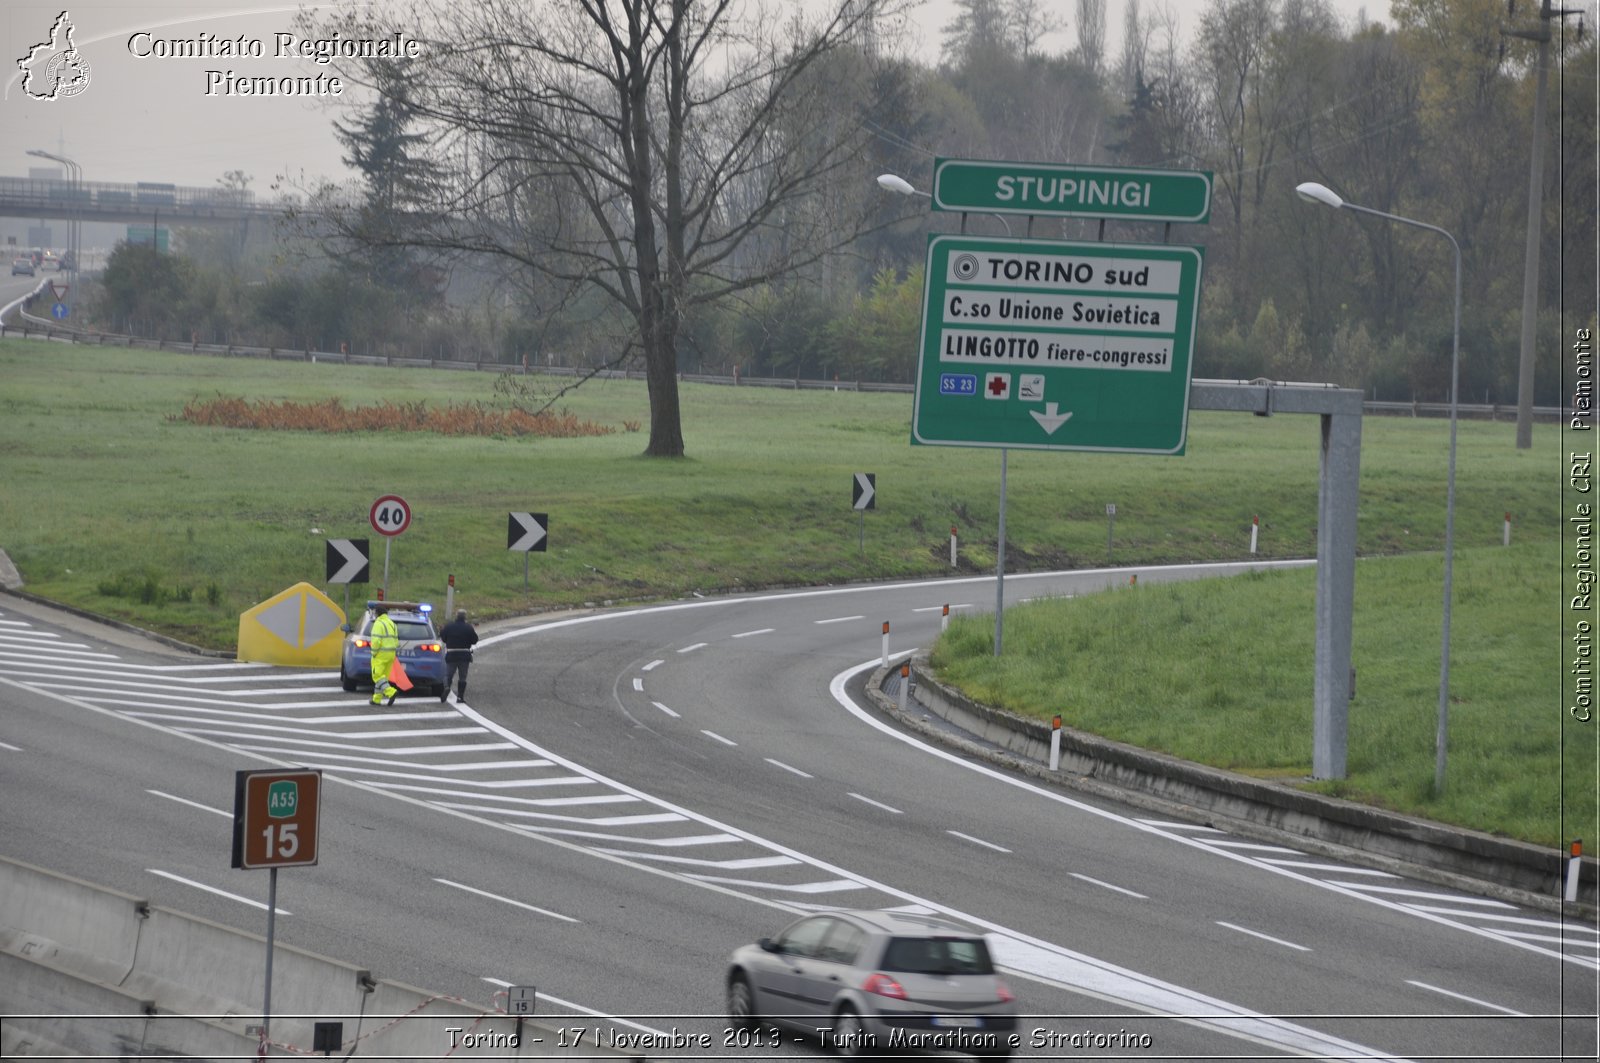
(346, 681)
(741, 1004)
(850, 1037)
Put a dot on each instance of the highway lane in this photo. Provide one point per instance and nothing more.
(1067, 881)
(1060, 864)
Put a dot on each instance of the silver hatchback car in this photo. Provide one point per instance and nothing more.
(874, 982)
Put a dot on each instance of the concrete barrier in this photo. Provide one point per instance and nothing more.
(1472, 860)
(87, 971)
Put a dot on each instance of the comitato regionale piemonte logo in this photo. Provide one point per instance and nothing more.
(54, 69)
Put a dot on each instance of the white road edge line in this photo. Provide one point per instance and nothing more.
(212, 889)
(507, 900)
(719, 738)
(666, 710)
(840, 619)
(8, 745)
(757, 631)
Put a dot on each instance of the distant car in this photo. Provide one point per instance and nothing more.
(875, 982)
(22, 265)
(421, 652)
(51, 261)
(68, 262)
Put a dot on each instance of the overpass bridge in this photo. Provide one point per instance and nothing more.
(134, 204)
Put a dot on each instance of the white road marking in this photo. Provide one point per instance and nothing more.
(666, 710)
(786, 767)
(638, 684)
(1168, 824)
(1568, 928)
(193, 804)
(212, 889)
(879, 804)
(979, 841)
(739, 864)
(840, 619)
(653, 665)
(1257, 848)
(757, 631)
(8, 745)
(1301, 865)
(507, 900)
(695, 646)
(1107, 885)
(1469, 1000)
(1264, 937)
(719, 738)
(1426, 896)
(586, 1011)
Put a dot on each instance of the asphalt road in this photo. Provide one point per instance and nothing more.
(633, 793)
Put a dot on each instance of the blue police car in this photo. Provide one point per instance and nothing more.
(421, 652)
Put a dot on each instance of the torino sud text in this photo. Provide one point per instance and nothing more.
(319, 50)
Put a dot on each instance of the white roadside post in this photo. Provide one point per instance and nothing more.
(1255, 531)
(886, 643)
(1507, 537)
(450, 596)
(952, 546)
(1574, 861)
(905, 685)
(1055, 743)
(944, 619)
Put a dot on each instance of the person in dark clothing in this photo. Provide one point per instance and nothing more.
(458, 637)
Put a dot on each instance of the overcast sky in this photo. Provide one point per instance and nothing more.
(150, 119)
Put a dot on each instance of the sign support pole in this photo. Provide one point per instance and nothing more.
(272, 912)
(1000, 560)
(387, 541)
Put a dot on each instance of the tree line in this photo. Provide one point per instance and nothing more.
(691, 186)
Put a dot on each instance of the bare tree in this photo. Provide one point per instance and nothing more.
(1092, 33)
(667, 153)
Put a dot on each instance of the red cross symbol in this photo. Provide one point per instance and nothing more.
(998, 385)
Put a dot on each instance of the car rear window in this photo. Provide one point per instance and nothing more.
(937, 956)
(412, 631)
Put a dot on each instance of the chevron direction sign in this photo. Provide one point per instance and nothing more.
(864, 491)
(1042, 345)
(527, 531)
(347, 561)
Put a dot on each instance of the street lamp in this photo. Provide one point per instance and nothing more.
(1316, 193)
(896, 183)
(75, 178)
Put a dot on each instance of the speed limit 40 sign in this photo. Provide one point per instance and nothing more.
(390, 515)
(275, 815)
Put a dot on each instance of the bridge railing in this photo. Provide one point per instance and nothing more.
(45, 194)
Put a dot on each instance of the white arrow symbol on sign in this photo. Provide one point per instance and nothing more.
(354, 561)
(525, 531)
(1050, 420)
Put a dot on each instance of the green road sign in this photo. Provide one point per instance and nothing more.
(1071, 191)
(1039, 345)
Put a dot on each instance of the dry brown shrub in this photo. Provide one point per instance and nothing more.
(331, 415)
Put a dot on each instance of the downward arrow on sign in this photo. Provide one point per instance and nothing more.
(1050, 420)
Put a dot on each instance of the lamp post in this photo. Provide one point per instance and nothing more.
(1316, 193)
(75, 183)
(896, 183)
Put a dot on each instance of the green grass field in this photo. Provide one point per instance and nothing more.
(109, 504)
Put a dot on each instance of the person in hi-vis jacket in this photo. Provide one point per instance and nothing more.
(385, 644)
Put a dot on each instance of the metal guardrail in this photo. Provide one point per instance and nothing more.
(38, 328)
